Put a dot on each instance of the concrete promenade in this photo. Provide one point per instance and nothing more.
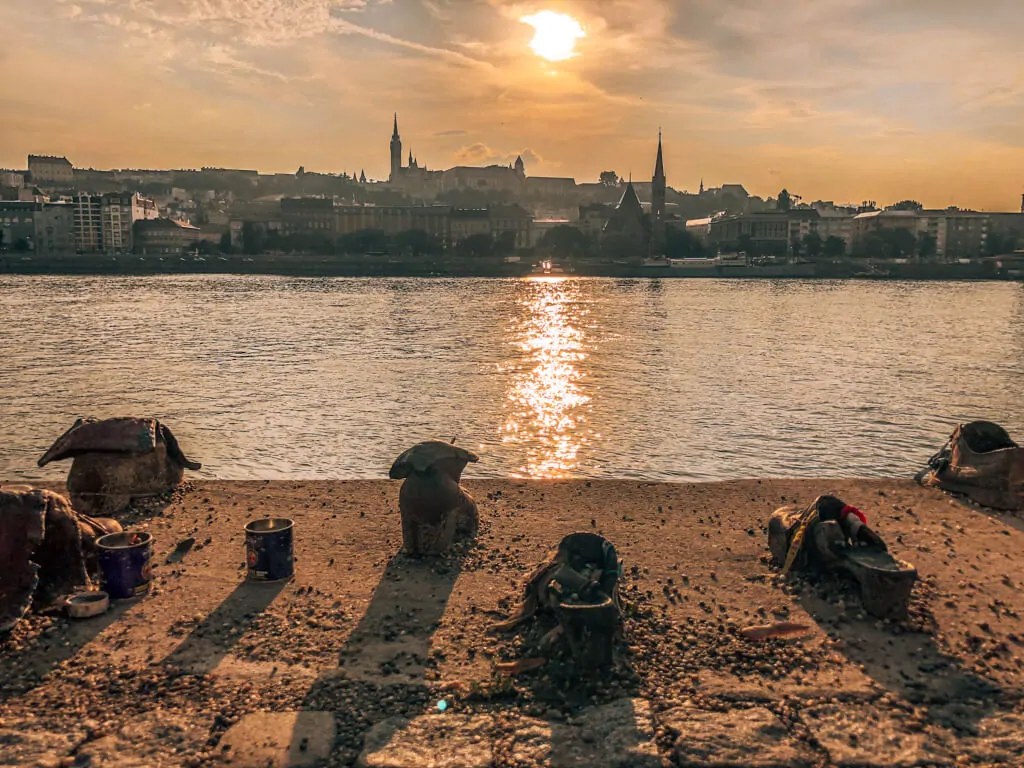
(345, 664)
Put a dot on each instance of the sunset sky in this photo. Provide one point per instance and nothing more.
(833, 99)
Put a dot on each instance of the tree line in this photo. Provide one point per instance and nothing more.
(413, 242)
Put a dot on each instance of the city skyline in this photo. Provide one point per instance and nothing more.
(847, 100)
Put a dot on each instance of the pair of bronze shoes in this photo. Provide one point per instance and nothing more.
(830, 535)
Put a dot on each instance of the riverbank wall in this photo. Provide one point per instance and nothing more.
(315, 265)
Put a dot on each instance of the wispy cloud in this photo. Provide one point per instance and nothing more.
(819, 96)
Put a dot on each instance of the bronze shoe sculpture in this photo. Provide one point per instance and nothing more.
(42, 557)
(116, 460)
(832, 535)
(980, 461)
(434, 507)
(577, 584)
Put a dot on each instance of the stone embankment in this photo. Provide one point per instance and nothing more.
(347, 663)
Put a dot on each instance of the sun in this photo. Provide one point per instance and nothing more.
(555, 35)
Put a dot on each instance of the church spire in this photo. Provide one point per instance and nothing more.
(658, 189)
(396, 154)
(659, 164)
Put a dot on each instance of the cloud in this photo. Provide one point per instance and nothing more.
(481, 154)
(867, 95)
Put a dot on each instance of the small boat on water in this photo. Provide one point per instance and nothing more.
(548, 267)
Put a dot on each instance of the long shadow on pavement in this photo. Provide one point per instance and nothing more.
(383, 662)
(25, 668)
(907, 663)
(214, 637)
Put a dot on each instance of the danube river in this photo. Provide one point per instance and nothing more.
(271, 377)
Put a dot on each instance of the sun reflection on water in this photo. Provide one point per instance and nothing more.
(546, 402)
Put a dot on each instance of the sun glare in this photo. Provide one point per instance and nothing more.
(555, 34)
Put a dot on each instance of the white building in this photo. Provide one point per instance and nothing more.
(120, 211)
(88, 222)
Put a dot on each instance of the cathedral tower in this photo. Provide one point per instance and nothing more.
(658, 204)
(396, 153)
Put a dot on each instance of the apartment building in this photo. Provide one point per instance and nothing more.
(119, 212)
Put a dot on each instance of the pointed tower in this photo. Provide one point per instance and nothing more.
(658, 204)
(628, 218)
(701, 186)
(396, 153)
(520, 167)
(362, 177)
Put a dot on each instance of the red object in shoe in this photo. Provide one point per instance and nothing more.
(848, 510)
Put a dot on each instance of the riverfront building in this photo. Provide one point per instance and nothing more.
(159, 237)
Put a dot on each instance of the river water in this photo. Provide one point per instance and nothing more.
(273, 377)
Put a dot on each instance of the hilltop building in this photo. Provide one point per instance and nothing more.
(418, 181)
(46, 170)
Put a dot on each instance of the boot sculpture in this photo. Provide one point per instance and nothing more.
(115, 460)
(434, 507)
(830, 535)
(980, 461)
(46, 550)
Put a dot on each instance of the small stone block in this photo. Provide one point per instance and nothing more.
(616, 735)
(22, 743)
(279, 739)
(999, 740)
(865, 736)
(429, 741)
(739, 738)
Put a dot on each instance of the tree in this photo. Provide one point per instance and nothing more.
(900, 243)
(364, 241)
(564, 240)
(784, 201)
(225, 243)
(927, 246)
(417, 243)
(867, 206)
(253, 238)
(618, 246)
(680, 244)
(609, 178)
(812, 245)
(476, 246)
(505, 245)
(905, 205)
(21, 245)
(745, 244)
(1000, 243)
(834, 247)
(887, 244)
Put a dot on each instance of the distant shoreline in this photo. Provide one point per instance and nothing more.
(313, 265)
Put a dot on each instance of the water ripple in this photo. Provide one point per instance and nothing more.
(276, 377)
